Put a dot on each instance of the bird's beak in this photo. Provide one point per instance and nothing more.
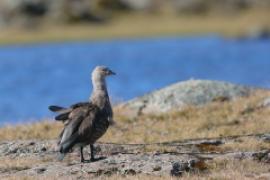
(111, 72)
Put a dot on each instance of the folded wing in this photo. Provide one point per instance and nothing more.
(79, 126)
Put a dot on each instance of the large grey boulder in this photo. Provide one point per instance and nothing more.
(182, 94)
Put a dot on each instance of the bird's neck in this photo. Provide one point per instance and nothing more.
(99, 84)
(100, 94)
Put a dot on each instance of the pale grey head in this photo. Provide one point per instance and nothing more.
(101, 72)
(100, 94)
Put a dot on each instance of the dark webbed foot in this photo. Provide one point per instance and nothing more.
(86, 161)
(93, 159)
(97, 159)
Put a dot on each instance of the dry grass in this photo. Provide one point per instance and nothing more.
(40, 130)
(245, 144)
(130, 25)
(238, 117)
(216, 119)
(17, 164)
(236, 169)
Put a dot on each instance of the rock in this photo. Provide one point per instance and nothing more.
(134, 5)
(157, 168)
(23, 12)
(262, 156)
(190, 6)
(34, 8)
(215, 142)
(178, 169)
(34, 12)
(265, 138)
(182, 94)
(262, 176)
(257, 33)
(265, 103)
(218, 6)
(74, 11)
(138, 4)
(130, 172)
(40, 170)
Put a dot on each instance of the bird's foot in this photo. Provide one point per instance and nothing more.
(85, 161)
(97, 159)
(92, 160)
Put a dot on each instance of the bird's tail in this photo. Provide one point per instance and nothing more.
(56, 108)
(61, 156)
(63, 112)
(65, 147)
(63, 116)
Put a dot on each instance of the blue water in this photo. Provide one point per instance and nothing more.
(35, 76)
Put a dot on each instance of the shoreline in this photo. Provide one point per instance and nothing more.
(130, 26)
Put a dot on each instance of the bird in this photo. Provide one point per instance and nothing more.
(86, 122)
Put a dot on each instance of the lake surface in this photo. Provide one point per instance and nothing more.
(35, 76)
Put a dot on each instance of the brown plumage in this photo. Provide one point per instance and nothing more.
(86, 122)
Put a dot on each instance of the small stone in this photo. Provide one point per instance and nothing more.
(41, 170)
(212, 142)
(113, 161)
(13, 151)
(179, 168)
(43, 149)
(157, 168)
(266, 138)
(130, 172)
(32, 143)
(265, 103)
(74, 172)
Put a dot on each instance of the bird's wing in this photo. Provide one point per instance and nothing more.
(74, 106)
(87, 124)
(80, 121)
(73, 124)
(65, 112)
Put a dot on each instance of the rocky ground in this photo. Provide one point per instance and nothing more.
(161, 159)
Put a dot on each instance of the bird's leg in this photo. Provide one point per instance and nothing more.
(92, 153)
(82, 158)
